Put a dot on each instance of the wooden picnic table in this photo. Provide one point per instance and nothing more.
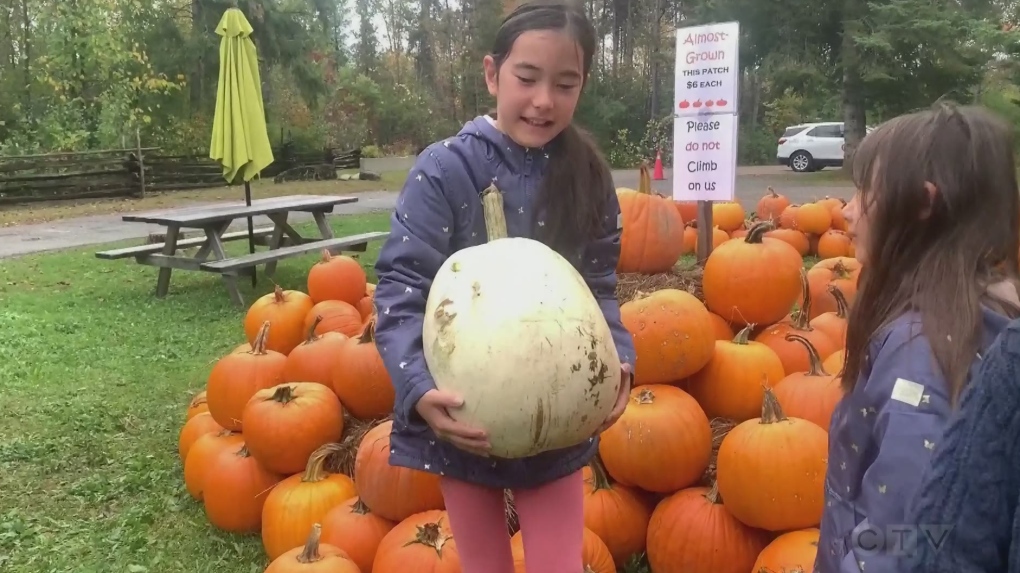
(214, 220)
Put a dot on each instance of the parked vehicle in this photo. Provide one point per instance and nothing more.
(811, 146)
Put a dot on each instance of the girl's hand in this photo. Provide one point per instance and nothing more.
(434, 408)
(621, 399)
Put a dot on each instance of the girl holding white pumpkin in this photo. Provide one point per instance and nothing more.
(558, 190)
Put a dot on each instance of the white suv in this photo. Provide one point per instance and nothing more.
(811, 146)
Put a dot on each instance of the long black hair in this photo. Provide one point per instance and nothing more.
(577, 182)
(935, 254)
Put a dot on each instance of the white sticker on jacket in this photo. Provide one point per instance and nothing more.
(908, 392)
(619, 221)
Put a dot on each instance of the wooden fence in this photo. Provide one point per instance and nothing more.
(135, 172)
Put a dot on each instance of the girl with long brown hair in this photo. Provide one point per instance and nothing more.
(936, 219)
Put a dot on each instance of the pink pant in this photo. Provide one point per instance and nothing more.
(552, 523)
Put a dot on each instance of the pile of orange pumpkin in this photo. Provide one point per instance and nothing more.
(762, 351)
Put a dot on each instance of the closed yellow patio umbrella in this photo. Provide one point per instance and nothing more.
(240, 140)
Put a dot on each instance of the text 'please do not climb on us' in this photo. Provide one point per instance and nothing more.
(705, 110)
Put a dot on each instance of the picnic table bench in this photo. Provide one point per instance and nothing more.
(281, 238)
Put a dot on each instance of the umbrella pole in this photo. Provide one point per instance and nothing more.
(251, 229)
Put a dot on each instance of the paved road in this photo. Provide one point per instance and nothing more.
(68, 233)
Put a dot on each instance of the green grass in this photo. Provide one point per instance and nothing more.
(95, 374)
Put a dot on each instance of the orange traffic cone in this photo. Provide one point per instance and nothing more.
(657, 174)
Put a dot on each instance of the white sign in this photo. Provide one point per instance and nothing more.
(707, 70)
(705, 157)
(706, 113)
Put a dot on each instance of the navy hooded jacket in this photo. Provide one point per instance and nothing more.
(438, 212)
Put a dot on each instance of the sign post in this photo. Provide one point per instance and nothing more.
(706, 120)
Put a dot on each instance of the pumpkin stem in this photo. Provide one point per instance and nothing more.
(772, 192)
(644, 179)
(842, 307)
(744, 335)
(284, 394)
(801, 319)
(243, 452)
(311, 551)
(431, 535)
(359, 507)
(600, 479)
(368, 335)
(315, 468)
(259, 346)
(311, 336)
(712, 495)
(495, 217)
(278, 295)
(198, 400)
(326, 256)
(645, 396)
(815, 361)
(771, 411)
(757, 231)
(839, 270)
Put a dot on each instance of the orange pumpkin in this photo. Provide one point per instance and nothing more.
(202, 453)
(751, 281)
(842, 272)
(792, 551)
(614, 512)
(392, 492)
(793, 355)
(833, 243)
(360, 378)
(765, 494)
(691, 531)
(834, 363)
(313, 359)
(301, 501)
(421, 542)
(688, 210)
(727, 215)
(730, 385)
(834, 323)
(652, 236)
(286, 311)
(337, 277)
(595, 556)
(788, 218)
(770, 207)
(236, 377)
(690, 238)
(313, 557)
(672, 332)
(813, 218)
(794, 238)
(366, 307)
(193, 429)
(720, 328)
(351, 526)
(235, 490)
(285, 424)
(810, 395)
(678, 455)
(718, 237)
(198, 403)
(334, 316)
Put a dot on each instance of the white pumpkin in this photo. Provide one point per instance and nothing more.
(513, 328)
